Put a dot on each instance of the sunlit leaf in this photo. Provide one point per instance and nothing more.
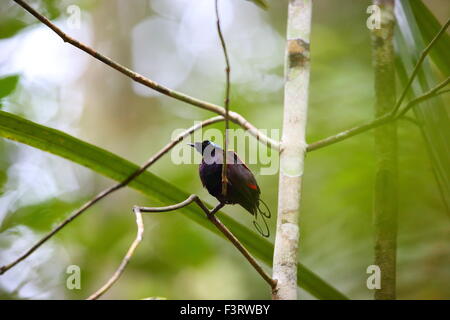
(7, 85)
(158, 190)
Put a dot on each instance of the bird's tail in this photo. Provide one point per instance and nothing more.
(264, 214)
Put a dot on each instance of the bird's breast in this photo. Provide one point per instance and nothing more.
(211, 177)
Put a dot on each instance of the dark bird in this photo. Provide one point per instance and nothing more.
(242, 187)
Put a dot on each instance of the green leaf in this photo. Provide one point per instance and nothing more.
(429, 27)
(14, 19)
(10, 26)
(411, 38)
(49, 212)
(260, 3)
(161, 192)
(7, 85)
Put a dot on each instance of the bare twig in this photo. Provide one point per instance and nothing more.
(126, 259)
(411, 120)
(391, 116)
(111, 189)
(227, 99)
(233, 116)
(210, 214)
(429, 94)
(418, 64)
(349, 133)
(443, 91)
(434, 92)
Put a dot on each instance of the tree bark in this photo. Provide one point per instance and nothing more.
(293, 148)
(385, 193)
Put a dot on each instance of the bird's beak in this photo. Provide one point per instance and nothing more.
(197, 146)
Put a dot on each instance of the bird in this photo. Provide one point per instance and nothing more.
(242, 187)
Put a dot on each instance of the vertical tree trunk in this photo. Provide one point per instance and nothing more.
(385, 198)
(293, 146)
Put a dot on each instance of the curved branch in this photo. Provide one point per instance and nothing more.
(111, 189)
(210, 214)
(126, 259)
(233, 116)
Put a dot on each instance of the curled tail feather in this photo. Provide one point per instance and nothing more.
(264, 214)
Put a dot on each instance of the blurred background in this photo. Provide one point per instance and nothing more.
(174, 42)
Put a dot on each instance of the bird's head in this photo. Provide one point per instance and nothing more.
(205, 147)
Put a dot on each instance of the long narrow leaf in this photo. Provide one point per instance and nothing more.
(106, 163)
(411, 38)
(429, 27)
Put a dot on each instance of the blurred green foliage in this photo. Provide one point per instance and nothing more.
(15, 20)
(179, 259)
(103, 162)
(7, 85)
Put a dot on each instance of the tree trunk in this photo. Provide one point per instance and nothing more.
(293, 146)
(385, 197)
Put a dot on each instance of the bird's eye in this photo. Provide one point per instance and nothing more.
(205, 144)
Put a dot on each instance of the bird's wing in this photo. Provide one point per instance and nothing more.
(243, 185)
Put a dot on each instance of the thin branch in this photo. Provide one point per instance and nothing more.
(210, 214)
(126, 259)
(434, 92)
(429, 94)
(443, 91)
(233, 116)
(349, 133)
(111, 189)
(418, 64)
(227, 99)
(412, 120)
(173, 207)
(392, 115)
